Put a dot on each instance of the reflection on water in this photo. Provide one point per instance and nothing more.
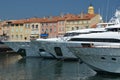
(14, 67)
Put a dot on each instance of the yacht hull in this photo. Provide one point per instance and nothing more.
(40, 49)
(25, 49)
(58, 49)
(105, 59)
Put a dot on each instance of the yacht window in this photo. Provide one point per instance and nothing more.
(96, 31)
(87, 44)
(113, 29)
(95, 40)
(58, 51)
(103, 58)
(114, 59)
(77, 33)
(71, 34)
(41, 50)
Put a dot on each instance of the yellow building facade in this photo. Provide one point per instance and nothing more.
(24, 30)
(19, 31)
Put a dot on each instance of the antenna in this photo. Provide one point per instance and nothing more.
(100, 15)
(107, 10)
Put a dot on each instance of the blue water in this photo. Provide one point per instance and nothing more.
(14, 67)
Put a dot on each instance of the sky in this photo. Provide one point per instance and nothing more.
(20, 9)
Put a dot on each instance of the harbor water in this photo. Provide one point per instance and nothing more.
(14, 67)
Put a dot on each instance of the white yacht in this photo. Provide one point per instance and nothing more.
(101, 51)
(46, 46)
(33, 48)
(56, 46)
(29, 48)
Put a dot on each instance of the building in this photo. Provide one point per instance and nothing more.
(82, 20)
(24, 29)
(35, 27)
(49, 27)
(19, 30)
(61, 25)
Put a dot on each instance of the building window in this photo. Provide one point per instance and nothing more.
(12, 25)
(46, 24)
(21, 24)
(62, 23)
(62, 28)
(54, 24)
(16, 36)
(17, 30)
(16, 24)
(80, 22)
(47, 30)
(36, 26)
(72, 28)
(50, 30)
(50, 24)
(67, 23)
(75, 22)
(84, 22)
(89, 22)
(32, 26)
(20, 36)
(42, 24)
(54, 29)
(42, 30)
(27, 25)
(12, 30)
(77, 28)
(71, 22)
(87, 26)
(21, 29)
(12, 36)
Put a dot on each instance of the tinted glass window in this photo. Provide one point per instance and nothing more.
(58, 51)
(113, 29)
(95, 39)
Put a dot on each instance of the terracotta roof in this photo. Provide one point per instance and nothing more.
(68, 17)
(50, 19)
(33, 20)
(17, 21)
(82, 17)
(61, 18)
